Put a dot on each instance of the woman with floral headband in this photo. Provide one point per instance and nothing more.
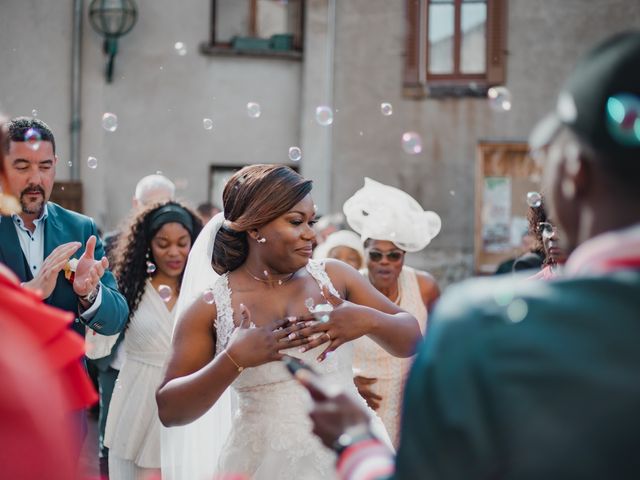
(150, 259)
(391, 223)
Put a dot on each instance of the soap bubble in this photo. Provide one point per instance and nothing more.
(110, 122)
(499, 99)
(295, 154)
(411, 143)
(180, 48)
(253, 110)
(207, 123)
(324, 115)
(92, 162)
(309, 303)
(534, 199)
(165, 292)
(321, 312)
(34, 113)
(33, 138)
(386, 109)
(151, 267)
(208, 296)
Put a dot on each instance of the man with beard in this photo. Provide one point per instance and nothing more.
(54, 251)
(531, 380)
(39, 243)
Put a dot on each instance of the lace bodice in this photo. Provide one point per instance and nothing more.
(271, 435)
(275, 372)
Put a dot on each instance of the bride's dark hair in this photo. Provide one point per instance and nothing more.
(253, 197)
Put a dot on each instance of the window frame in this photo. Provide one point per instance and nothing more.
(417, 79)
(215, 47)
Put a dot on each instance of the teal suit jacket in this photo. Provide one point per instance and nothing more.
(62, 226)
(527, 380)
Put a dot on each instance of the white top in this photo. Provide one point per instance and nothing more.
(371, 360)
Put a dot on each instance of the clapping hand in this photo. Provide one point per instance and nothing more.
(45, 281)
(346, 322)
(89, 271)
(251, 347)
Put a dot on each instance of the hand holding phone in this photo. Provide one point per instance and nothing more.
(307, 376)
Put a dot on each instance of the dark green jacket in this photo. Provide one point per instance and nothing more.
(553, 396)
(63, 226)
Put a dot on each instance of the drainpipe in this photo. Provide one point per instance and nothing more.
(330, 66)
(76, 43)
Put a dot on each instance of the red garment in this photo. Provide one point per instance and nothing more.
(547, 273)
(62, 348)
(43, 383)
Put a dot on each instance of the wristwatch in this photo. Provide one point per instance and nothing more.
(351, 436)
(92, 295)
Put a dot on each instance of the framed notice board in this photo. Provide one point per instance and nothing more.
(505, 173)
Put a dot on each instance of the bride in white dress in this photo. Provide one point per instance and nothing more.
(248, 316)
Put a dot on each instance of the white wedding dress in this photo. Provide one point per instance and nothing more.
(259, 427)
(271, 436)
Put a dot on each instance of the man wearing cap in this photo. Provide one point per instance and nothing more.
(531, 381)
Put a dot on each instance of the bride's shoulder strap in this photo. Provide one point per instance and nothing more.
(317, 270)
(224, 321)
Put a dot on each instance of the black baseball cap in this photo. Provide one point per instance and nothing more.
(600, 102)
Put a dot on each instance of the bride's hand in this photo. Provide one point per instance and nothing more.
(347, 321)
(250, 347)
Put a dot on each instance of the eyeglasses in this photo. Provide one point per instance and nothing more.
(392, 256)
(547, 229)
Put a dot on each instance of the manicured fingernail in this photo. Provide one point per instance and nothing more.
(302, 350)
(292, 336)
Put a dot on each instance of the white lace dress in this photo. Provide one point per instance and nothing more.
(271, 436)
(371, 360)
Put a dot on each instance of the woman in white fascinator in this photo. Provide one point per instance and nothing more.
(342, 245)
(390, 223)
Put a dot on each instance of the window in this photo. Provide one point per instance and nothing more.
(455, 45)
(256, 27)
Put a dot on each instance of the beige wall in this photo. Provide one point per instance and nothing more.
(161, 98)
(544, 39)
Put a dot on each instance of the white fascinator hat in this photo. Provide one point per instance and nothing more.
(381, 212)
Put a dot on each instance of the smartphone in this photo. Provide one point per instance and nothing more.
(306, 375)
(294, 365)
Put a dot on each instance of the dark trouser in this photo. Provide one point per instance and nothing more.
(106, 382)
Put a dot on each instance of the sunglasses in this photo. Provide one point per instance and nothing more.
(546, 229)
(392, 256)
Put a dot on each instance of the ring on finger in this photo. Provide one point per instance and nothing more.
(328, 336)
(292, 336)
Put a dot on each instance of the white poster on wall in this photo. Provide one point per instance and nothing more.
(496, 214)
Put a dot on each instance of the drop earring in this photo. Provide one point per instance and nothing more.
(261, 240)
(151, 267)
